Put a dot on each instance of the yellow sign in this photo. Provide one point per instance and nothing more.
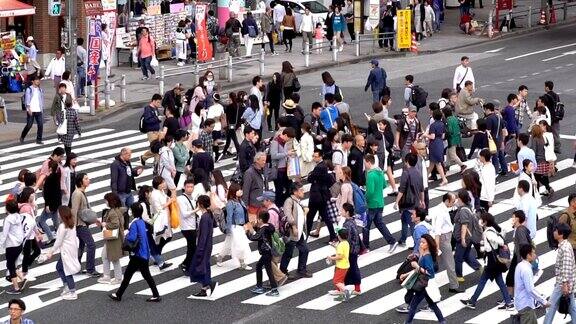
(403, 32)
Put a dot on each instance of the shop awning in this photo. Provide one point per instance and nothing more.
(13, 8)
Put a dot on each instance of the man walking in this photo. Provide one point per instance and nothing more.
(527, 204)
(255, 183)
(320, 181)
(34, 101)
(56, 67)
(151, 124)
(442, 229)
(551, 100)
(122, 176)
(81, 59)
(188, 223)
(295, 213)
(307, 28)
(466, 103)
(463, 73)
(497, 128)
(568, 216)
(376, 80)
(411, 186)
(525, 295)
(356, 160)
(375, 185)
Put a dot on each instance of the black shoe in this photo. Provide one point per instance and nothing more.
(165, 265)
(94, 274)
(502, 174)
(142, 161)
(39, 142)
(201, 293)
(153, 299)
(393, 194)
(21, 140)
(50, 243)
(115, 297)
(304, 274)
(455, 291)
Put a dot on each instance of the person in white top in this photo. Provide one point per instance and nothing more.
(261, 6)
(528, 175)
(462, 74)
(429, 18)
(487, 175)
(528, 205)
(279, 13)
(159, 208)
(305, 150)
(106, 48)
(341, 152)
(216, 112)
(549, 153)
(257, 88)
(188, 223)
(442, 228)
(307, 29)
(34, 101)
(166, 164)
(56, 67)
(12, 239)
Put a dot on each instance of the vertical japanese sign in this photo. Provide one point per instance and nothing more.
(204, 48)
(374, 17)
(94, 49)
(403, 35)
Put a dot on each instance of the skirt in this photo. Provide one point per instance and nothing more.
(236, 244)
(543, 168)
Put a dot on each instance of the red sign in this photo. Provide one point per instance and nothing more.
(204, 48)
(504, 4)
(93, 8)
(94, 49)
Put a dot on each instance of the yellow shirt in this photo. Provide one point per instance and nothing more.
(343, 249)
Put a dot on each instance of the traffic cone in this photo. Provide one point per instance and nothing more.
(542, 17)
(552, 15)
(414, 46)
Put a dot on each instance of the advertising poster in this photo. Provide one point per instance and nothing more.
(374, 17)
(204, 50)
(94, 49)
(403, 33)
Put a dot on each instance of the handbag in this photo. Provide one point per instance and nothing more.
(63, 127)
(332, 211)
(293, 169)
(110, 234)
(174, 214)
(154, 62)
(491, 144)
(88, 216)
(421, 282)
(130, 246)
(296, 84)
(409, 281)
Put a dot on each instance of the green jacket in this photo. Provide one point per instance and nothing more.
(181, 156)
(375, 184)
(453, 131)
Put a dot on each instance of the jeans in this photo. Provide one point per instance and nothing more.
(67, 280)
(266, 263)
(483, 280)
(190, 236)
(406, 220)
(375, 215)
(302, 255)
(145, 66)
(42, 223)
(282, 187)
(462, 254)
(81, 72)
(127, 199)
(499, 158)
(376, 95)
(437, 23)
(416, 300)
(85, 237)
(137, 264)
(554, 299)
(30, 118)
(555, 133)
(321, 209)
(270, 42)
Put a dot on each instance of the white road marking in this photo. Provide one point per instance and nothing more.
(535, 73)
(559, 56)
(485, 86)
(538, 52)
(570, 137)
(495, 50)
(510, 80)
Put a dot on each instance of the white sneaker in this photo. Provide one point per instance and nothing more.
(144, 78)
(115, 281)
(219, 261)
(71, 295)
(341, 48)
(334, 292)
(245, 267)
(65, 291)
(104, 280)
(180, 63)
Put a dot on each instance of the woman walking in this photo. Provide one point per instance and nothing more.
(32, 236)
(435, 135)
(493, 271)
(288, 79)
(68, 176)
(253, 115)
(112, 221)
(200, 266)
(549, 153)
(146, 52)
(181, 43)
(138, 256)
(233, 111)
(305, 150)
(67, 244)
(12, 239)
(538, 144)
(236, 243)
(72, 127)
(160, 213)
(144, 195)
(424, 267)
(289, 25)
(528, 175)
(338, 26)
(166, 165)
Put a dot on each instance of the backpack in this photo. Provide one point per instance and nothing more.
(559, 111)
(278, 245)
(23, 99)
(252, 31)
(551, 225)
(156, 169)
(283, 227)
(220, 220)
(359, 198)
(141, 126)
(474, 227)
(419, 96)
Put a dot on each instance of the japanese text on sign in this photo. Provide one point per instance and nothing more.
(94, 49)
(403, 33)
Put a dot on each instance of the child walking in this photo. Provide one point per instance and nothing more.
(342, 266)
(318, 37)
(264, 238)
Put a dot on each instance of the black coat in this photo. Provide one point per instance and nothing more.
(120, 181)
(356, 164)
(246, 155)
(321, 182)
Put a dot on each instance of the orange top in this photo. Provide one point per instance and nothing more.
(289, 22)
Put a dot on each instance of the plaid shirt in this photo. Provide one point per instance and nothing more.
(565, 267)
(207, 141)
(521, 111)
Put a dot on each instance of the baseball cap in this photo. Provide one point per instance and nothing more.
(267, 195)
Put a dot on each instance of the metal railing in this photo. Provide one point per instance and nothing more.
(317, 48)
(198, 68)
(373, 38)
(106, 89)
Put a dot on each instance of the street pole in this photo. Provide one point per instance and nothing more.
(72, 25)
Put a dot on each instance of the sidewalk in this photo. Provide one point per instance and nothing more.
(139, 92)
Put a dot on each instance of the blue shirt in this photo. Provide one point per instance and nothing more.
(509, 115)
(525, 153)
(525, 295)
(528, 205)
(253, 118)
(328, 116)
(426, 262)
(419, 230)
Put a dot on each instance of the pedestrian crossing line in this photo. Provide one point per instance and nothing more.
(33, 146)
(548, 286)
(452, 304)
(387, 303)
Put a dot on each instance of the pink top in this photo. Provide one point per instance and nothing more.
(345, 196)
(274, 216)
(319, 33)
(147, 47)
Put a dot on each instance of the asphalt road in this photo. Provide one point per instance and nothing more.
(496, 77)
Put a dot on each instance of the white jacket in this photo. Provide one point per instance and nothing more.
(461, 75)
(13, 231)
(188, 218)
(305, 151)
(533, 185)
(307, 24)
(488, 179)
(429, 14)
(491, 239)
(67, 244)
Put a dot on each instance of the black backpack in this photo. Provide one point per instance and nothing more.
(551, 225)
(559, 111)
(419, 96)
(141, 126)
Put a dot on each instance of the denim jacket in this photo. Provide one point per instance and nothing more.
(235, 213)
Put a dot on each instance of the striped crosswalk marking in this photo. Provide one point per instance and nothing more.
(97, 149)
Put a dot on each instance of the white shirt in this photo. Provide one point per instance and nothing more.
(459, 76)
(214, 112)
(187, 216)
(307, 24)
(56, 67)
(527, 204)
(338, 158)
(105, 46)
(255, 91)
(441, 223)
(35, 104)
(488, 180)
(429, 14)
(279, 13)
(261, 6)
(13, 232)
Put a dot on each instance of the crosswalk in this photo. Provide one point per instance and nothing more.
(381, 294)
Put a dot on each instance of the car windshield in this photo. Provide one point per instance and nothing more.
(315, 6)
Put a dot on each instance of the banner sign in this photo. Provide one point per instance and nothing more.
(374, 17)
(94, 49)
(204, 50)
(93, 8)
(403, 33)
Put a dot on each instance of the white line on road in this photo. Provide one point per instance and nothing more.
(571, 137)
(568, 90)
(497, 83)
(495, 50)
(510, 80)
(547, 70)
(558, 67)
(485, 85)
(559, 56)
(538, 52)
(569, 64)
(523, 77)
(535, 73)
